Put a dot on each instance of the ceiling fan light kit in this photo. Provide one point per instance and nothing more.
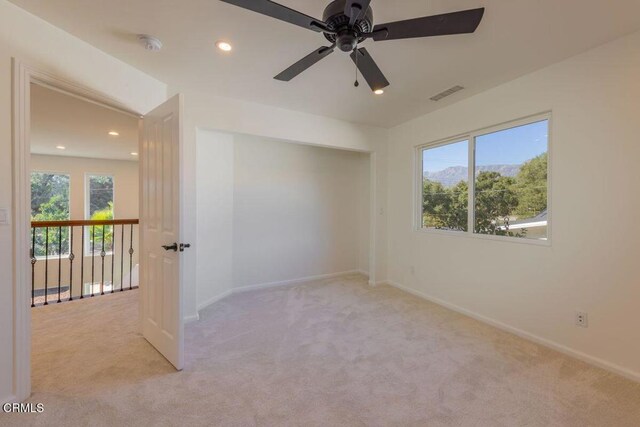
(348, 23)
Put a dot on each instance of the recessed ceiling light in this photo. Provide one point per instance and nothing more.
(133, 153)
(223, 46)
(61, 147)
(378, 91)
(113, 133)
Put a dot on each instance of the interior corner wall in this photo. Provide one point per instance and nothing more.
(49, 49)
(592, 262)
(271, 211)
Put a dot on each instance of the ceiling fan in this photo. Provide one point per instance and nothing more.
(347, 23)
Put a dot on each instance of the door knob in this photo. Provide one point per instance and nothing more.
(172, 247)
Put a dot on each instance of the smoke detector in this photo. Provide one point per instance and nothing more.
(149, 42)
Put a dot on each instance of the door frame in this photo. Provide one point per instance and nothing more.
(22, 78)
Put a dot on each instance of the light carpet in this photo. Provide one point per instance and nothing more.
(334, 352)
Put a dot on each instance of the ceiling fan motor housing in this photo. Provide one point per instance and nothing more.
(346, 37)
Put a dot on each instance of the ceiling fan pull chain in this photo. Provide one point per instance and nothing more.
(355, 50)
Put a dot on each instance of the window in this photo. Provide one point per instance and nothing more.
(509, 193)
(50, 202)
(445, 186)
(99, 207)
(99, 197)
(511, 181)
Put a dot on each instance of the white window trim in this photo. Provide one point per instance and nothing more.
(471, 138)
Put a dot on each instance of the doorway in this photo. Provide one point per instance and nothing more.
(159, 136)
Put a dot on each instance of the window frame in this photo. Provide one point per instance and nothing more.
(471, 138)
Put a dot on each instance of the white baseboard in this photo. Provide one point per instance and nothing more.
(268, 285)
(191, 318)
(293, 281)
(596, 361)
(214, 299)
(371, 282)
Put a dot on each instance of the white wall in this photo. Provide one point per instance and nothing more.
(297, 211)
(47, 48)
(294, 211)
(591, 264)
(125, 180)
(214, 243)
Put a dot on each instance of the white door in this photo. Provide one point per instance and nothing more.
(160, 278)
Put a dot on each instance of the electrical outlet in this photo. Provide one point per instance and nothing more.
(582, 319)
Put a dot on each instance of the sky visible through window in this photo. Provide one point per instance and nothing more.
(508, 147)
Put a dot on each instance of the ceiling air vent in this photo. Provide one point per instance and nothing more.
(446, 93)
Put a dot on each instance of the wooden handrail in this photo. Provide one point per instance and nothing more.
(83, 222)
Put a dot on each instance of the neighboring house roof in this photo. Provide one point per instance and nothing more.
(539, 220)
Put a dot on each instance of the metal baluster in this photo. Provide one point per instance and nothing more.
(102, 255)
(46, 265)
(82, 266)
(93, 256)
(122, 258)
(71, 258)
(59, 261)
(33, 267)
(131, 257)
(113, 256)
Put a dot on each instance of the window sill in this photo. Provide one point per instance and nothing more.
(468, 235)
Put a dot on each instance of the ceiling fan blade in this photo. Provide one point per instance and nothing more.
(462, 22)
(354, 8)
(304, 63)
(369, 69)
(283, 13)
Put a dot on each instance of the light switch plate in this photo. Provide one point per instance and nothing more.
(4, 216)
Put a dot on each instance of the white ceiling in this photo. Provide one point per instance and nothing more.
(80, 126)
(515, 38)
